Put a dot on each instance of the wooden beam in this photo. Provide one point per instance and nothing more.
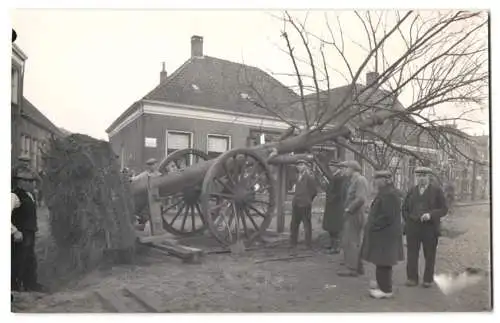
(156, 239)
(150, 303)
(281, 199)
(112, 302)
(187, 254)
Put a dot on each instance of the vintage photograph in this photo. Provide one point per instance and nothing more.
(244, 161)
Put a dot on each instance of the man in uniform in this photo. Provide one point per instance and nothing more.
(383, 237)
(333, 218)
(24, 227)
(305, 192)
(354, 219)
(423, 208)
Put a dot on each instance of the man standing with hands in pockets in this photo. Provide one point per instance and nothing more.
(423, 208)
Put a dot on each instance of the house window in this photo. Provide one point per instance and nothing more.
(218, 144)
(27, 143)
(178, 140)
(34, 153)
(15, 86)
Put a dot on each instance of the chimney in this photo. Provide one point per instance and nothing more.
(196, 46)
(371, 77)
(163, 74)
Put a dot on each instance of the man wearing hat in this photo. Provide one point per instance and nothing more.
(333, 218)
(151, 170)
(383, 236)
(305, 192)
(423, 208)
(24, 227)
(354, 219)
(141, 200)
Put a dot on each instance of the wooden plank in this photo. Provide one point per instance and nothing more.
(112, 301)
(156, 239)
(187, 254)
(150, 303)
(281, 259)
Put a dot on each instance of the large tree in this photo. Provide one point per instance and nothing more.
(435, 62)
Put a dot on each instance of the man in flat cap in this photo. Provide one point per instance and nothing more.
(333, 218)
(24, 227)
(305, 191)
(423, 208)
(354, 219)
(383, 236)
(141, 200)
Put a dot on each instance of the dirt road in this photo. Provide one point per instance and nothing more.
(225, 283)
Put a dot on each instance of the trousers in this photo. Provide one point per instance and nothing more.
(301, 214)
(334, 240)
(352, 237)
(383, 275)
(23, 262)
(417, 237)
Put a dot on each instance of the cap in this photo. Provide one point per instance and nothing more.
(26, 175)
(382, 174)
(151, 161)
(351, 164)
(423, 170)
(25, 158)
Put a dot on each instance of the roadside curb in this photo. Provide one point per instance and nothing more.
(471, 204)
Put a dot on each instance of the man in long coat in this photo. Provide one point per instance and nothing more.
(354, 219)
(383, 236)
(423, 208)
(333, 218)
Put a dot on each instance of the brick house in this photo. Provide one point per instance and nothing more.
(205, 104)
(35, 131)
(30, 128)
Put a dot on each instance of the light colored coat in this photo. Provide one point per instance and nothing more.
(355, 215)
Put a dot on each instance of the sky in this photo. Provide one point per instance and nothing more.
(85, 67)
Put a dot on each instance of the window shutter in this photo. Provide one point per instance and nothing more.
(217, 144)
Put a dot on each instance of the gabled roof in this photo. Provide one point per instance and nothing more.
(223, 85)
(334, 101)
(216, 83)
(31, 112)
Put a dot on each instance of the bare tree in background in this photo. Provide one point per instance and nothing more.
(433, 59)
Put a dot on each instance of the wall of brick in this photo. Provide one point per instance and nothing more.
(156, 126)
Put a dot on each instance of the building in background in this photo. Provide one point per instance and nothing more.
(206, 104)
(30, 128)
(35, 131)
(17, 81)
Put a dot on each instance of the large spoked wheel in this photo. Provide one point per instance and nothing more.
(242, 187)
(181, 211)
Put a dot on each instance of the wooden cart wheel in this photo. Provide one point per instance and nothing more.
(181, 211)
(242, 182)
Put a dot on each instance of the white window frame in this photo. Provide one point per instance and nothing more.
(229, 143)
(14, 91)
(191, 136)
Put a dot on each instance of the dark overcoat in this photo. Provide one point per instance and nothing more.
(416, 204)
(383, 237)
(333, 219)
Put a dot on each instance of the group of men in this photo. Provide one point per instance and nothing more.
(373, 233)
